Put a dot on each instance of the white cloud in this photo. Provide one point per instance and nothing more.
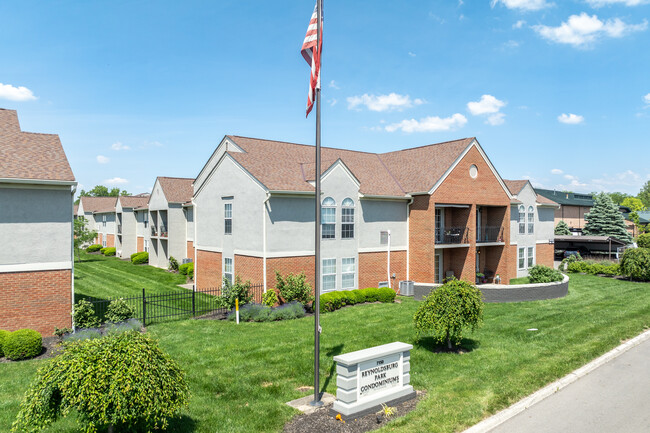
(429, 124)
(116, 181)
(488, 104)
(412, 54)
(556, 171)
(392, 101)
(519, 24)
(511, 44)
(601, 3)
(333, 85)
(11, 93)
(646, 98)
(332, 102)
(583, 30)
(525, 5)
(570, 119)
(103, 159)
(496, 119)
(119, 146)
(150, 144)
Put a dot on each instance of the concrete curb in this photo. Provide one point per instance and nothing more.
(488, 424)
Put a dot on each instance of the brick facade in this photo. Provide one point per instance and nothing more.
(100, 238)
(207, 270)
(39, 300)
(545, 255)
(190, 250)
(284, 265)
(372, 268)
(250, 268)
(574, 216)
(110, 241)
(140, 244)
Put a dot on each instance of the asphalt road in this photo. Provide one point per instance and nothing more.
(614, 398)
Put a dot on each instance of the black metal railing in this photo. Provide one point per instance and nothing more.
(452, 235)
(489, 234)
(158, 307)
(163, 231)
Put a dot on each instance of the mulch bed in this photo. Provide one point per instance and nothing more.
(322, 421)
(50, 349)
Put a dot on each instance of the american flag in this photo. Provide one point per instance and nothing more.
(311, 53)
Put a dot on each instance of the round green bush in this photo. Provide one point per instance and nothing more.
(3, 337)
(187, 269)
(135, 254)
(94, 248)
(123, 380)
(109, 251)
(643, 241)
(636, 264)
(140, 258)
(23, 344)
(544, 274)
(84, 316)
(447, 310)
(119, 311)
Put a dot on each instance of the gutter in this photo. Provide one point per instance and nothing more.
(268, 197)
(39, 181)
(385, 197)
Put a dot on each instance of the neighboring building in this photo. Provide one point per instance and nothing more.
(419, 214)
(573, 207)
(644, 220)
(36, 228)
(99, 212)
(168, 205)
(126, 215)
(532, 227)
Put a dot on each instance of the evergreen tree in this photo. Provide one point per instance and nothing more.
(562, 229)
(606, 220)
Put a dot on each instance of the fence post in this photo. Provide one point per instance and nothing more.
(144, 309)
(193, 303)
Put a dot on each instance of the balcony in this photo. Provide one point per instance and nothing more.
(452, 236)
(490, 235)
(154, 231)
(119, 229)
(163, 231)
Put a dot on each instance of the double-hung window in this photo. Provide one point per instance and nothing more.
(348, 271)
(227, 269)
(522, 258)
(146, 219)
(531, 257)
(328, 218)
(347, 219)
(329, 274)
(227, 218)
(146, 245)
(104, 220)
(531, 220)
(522, 220)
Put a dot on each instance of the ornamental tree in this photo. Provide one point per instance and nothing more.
(633, 203)
(604, 219)
(447, 310)
(82, 235)
(562, 229)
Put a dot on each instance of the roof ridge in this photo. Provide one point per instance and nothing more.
(391, 174)
(429, 145)
(304, 145)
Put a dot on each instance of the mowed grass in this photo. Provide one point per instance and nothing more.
(240, 376)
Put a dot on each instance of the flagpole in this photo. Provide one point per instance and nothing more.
(317, 401)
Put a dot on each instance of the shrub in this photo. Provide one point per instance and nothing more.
(187, 269)
(23, 344)
(292, 310)
(83, 334)
(263, 313)
(293, 288)
(636, 264)
(108, 251)
(594, 268)
(135, 254)
(119, 311)
(239, 290)
(140, 258)
(543, 274)
(447, 310)
(173, 264)
(3, 337)
(103, 250)
(386, 295)
(84, 316)
(643, 241)
(60, 332)
(128, 325)
(270, 298)
(332, 301)
(94, 248)
(122, 380)
(562, 229)
(571, 259)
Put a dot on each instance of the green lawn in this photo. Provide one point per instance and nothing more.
(522, 280)
(240, 376)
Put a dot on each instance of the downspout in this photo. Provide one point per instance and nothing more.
(268, 197)
(195, 214)
(408, 238)
(74, 190)
(388, 270)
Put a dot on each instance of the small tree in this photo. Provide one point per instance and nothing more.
(604, 219)
(293, 288)
(562, 229)
(633, 203)
(82, 236)
(644, 195)
(239, 290)
(447, 310)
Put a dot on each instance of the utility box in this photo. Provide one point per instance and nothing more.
(406, 288)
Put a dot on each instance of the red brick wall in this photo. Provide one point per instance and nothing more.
(284, 265)
(207, 270)
(372, 268)
(190, 250)
(545, 254)
(110, 241)
(99, 238)
(249, 268)
(139, 244)
(38, 300)
(421, 239)
(512, 259)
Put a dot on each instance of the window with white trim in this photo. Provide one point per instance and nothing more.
(104, 243)
(347, 219)
(531, 257)
(227, 218)
(522, 220)
(146, 219)
(522, 258)
(146, 245)
(328, 218)
(227, 269)
(348, 271)
(329, 274)
(104, 220)
(531, 220)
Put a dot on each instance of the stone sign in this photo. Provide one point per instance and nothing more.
(367, 378)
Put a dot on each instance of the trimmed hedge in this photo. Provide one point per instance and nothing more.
(140, 258)
(135, 254)
(594, 268)
(187, 269)
(23, 344)
(109, 251)
(94, 248)
(543, 274)
(332, 301)
(3, 337)
(636, 263)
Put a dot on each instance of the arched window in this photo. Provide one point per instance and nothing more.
(522, 220)
(328, 218)
(531, 220)
(347, 219)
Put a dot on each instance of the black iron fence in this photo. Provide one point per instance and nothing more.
(452, 235)
(158, 307)
(489, 234)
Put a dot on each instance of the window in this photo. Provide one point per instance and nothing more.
(347, 219)
(531, 220)
(328, 218)
(227, 215)
(146, 219)
(104, 243)
(329, 274)
(531, 257)
(146, 245)
(439, 225)
(104, 220)
(522, 220)
(348, 269)
(522, 258)
(227, 269)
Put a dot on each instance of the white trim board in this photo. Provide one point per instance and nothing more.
(35, 267)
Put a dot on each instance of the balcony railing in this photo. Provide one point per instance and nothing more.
(452, 235)
(489, 234)
(163, 231)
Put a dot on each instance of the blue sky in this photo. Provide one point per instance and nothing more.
(555, 91)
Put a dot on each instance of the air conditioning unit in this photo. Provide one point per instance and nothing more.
(383, 284)
(186, 260)
(406, 288)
